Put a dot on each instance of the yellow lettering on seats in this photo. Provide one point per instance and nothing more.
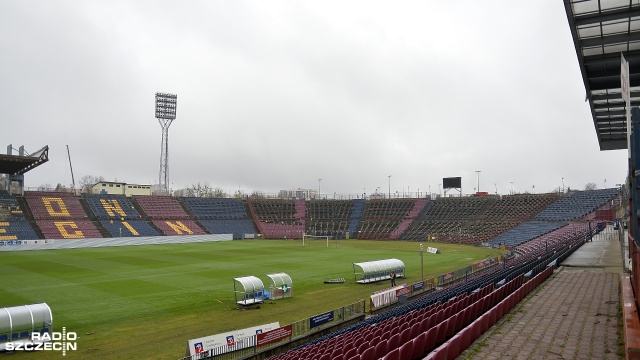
(179, 227)
(60, 209)
(112, 207)
(4, 231)
(62, 227)
(128, 226)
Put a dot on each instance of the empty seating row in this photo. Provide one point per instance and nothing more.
(520, 207)
(526, 232)
(576, 205)
(105, 206)
(328, 217)
(68, 229)
(239, 228)
(418, 206)
(215, 208)
(58, 205)
(340, 344)
(161, 207)
(278, 218)
(129, 228)
(380, 217)
(178, 227)
(17, 230)
(9, 206)
(396, 336)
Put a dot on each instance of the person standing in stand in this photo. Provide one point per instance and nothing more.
(393, 278)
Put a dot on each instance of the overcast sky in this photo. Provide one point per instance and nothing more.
(277, 94)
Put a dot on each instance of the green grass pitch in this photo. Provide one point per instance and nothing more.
(147, 301)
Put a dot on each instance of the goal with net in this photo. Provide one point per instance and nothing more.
(308, 239)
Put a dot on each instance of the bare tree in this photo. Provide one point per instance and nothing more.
(87, 182)
(590, 186)
(218, 193)
(257, 195)
(238, 194)
(200, 190)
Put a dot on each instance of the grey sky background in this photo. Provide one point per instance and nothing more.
(277, 94)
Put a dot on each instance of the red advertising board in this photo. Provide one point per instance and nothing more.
(274, 335)
(403, 291)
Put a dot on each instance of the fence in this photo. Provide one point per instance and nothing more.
(274, 338)
(387, 297)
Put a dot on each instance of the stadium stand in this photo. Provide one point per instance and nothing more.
(178, 227)
(329, 217)
(60, 215)
(442, 323)
(239, 228)
(16, 230)
(278, 218)
(356, 215)
(526, 232)
(418, 206)
(446, 220)
(215, 208)
(13, 223)
(128, 228)
(45, 205)
(475, 220)
(104, 206)
(518, 208)
(9, 207)
(554, 238)
(68, 229)
(161, 207)
(382, 216)
(578, 204)
(221, 215)
(508, 220)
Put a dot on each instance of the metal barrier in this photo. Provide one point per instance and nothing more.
(249, 345)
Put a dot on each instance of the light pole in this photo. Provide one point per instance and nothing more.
(422, 261)
(478, 172)
(511, 187)
(319, 180)
(389, 186)
(605, 183)
(563, 185)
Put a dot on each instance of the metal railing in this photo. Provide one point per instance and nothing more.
(249, 345)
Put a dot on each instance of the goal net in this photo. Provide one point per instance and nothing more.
(308, 239)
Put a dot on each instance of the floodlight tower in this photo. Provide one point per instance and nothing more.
(165, 113)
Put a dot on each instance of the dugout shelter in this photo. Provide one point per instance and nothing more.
(379, 270)
(17, 323)
(249, 290)
(281, 286)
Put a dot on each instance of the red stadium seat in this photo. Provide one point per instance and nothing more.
(419, 343)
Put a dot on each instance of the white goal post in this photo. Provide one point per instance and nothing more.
(308, 239)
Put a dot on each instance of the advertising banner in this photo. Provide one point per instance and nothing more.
(233, 340)
(320, 319)
(274, 335)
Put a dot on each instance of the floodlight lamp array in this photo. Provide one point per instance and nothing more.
(166, 105)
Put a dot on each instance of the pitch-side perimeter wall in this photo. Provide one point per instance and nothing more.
(42, 244)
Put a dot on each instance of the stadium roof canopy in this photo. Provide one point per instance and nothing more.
(15, 164)
(602, 30)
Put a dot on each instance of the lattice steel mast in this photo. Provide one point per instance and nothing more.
(165, 113)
